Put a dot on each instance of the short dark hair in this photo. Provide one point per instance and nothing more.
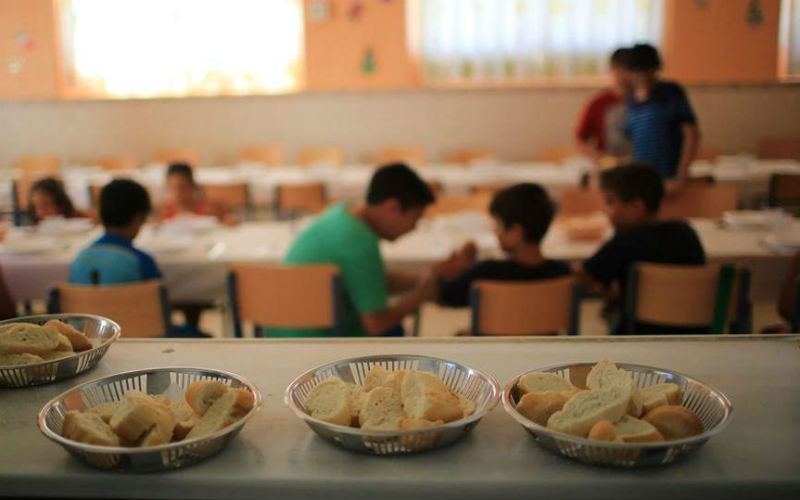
(635, 181)
(54, 188)
(182, 169)
(122, 200)
(399, 181)
(525, 204)
(620, 57)
(644, 57)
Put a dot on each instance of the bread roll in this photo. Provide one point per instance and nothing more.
(78, 340)
(587, 408)
(425, 396)
(330, 401)
(89, 428)
(380, 377)
(538, 406)
(382, 411)
(660, 395)
(19, 338)
(604, 431)
(202, 394)
(606, 375)
(19, 359)
(633, 430)
(226, 410)
(674, 422)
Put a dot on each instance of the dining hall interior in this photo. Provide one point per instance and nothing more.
(508, 183)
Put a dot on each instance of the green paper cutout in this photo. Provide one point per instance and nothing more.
(368, 63)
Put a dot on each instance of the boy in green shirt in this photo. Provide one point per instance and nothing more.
(350, 238)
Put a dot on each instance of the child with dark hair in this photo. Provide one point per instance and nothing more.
(48, 198)
(186, 197)
(601, 128)
(660, 120)
(522, 216)
(633, 195)
(113, 259)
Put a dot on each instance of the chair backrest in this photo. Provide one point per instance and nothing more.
(174, 155)
(709, 201)
(450, 204)
(681, 296)
(141, 309)
(117, 162)
(525, 308)
(331, 155)
(307, 198)
(414, 155)
(234, 196)
(709, 152)
(558, 152)
(269, 155)
(39, 166)
(468, 156)
(288, 296)
(784, 190)
(580, 201)
(779, 148)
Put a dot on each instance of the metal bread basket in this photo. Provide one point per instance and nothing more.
(100, 331)
(172, 381)
(711, 406)
(472, 384)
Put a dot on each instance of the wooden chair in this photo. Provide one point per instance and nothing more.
(779, 148)
(450, 204)
(285, 296)
(230, 197)
(708, 152)
(117, 162)
(469, 156)
(436, 188)
(580, 201)
(784, 192)
(328, 155)
(175, 155)
(268, 155)
(689, 296)
(413, 155)
(490, 188)
(141, 309)
(709, 201)
(293, 199)
(38, 166)
(557, 153)
(794, 321)
(517, 308)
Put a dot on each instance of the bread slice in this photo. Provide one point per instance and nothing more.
(19, 338)
(226, 410)
(105, 410)
(19, 359)
(89, 428)
(64, 344)
(633, 430)
(467, 405)
(202, 394)
(587, 408)
(606, 375)
(355, 399)
(540, 381)
(54, 355)
(161, 432)
(408, 424)
(186, 418)
(330, 401)
(136, 415)
(382, 411)
(660, 395)
(538, 406)
(78, 340)
(378, 376)
(425, 396)
(604, 431)
(674, 422)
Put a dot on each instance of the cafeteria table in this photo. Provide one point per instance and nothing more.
(277, 456)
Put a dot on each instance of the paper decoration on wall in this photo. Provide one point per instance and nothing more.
(368, 63)
(355, 10)
(755, 14)
(25, 42)
(319, 10)
(15, 65)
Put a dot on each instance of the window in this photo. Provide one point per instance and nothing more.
(152, 48)
(790, 39)
(474, 40)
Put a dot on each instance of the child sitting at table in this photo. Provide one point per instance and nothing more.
(521, 216)
(48, 198)
(185, 197)
(633, 195)
(113, 259)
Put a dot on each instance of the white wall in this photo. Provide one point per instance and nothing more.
(514, 122)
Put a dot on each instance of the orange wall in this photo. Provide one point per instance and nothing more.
(716, 44)
(38, 75)
(335, 47)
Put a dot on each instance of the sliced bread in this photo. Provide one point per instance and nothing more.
(89, 428)
(330, 401)
(226, 410)
(587, 408)
(185, 418)
(382, 411)
(538, 406)
(425, 396)
(202, 394)
(21, 338)
(162, 430)
(633, 430)
(467, 405)
(660, 395)
(539, 381)
(378, 376)
(105, 410)
(136, 414)
(78, 340)
(604, 431)
(606, 375)
(19, 359)
(674, 422)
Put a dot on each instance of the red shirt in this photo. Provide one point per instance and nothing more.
(170, 210)
(594, 123)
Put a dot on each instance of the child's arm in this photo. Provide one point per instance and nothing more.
(691, 141)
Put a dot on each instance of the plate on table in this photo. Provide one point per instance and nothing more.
(26, 246)
(168, 245)
(754, 219)
(60, 226)
(191, 224)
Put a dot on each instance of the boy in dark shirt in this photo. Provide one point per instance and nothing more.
(633, 195)
(521, 216)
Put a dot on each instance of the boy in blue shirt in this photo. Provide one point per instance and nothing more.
(660, 120)
(112, 259)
